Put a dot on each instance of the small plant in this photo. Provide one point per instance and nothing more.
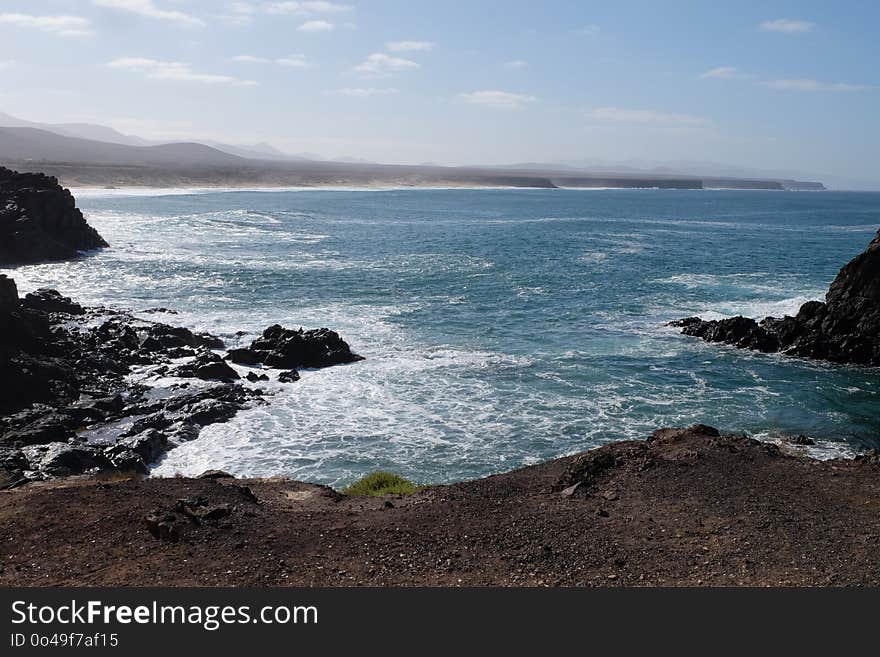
(377, 484)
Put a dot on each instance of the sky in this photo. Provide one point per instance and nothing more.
(790, 87)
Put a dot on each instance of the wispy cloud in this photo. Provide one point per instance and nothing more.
(149, 9)
(381, 65)
(723, 73)
(589, 30)
(251, 59)
(814, 85)
(305, 8)
(60, 25)
(787, 26)
(239, 13)
(410, 46)
(367, 92)
(517, 63)
(315, 26)
(293, 61)
(497, 99)
(640, 116)
(176, 71)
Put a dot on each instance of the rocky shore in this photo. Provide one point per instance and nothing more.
(39, 221)
(685, 507)
(78, 392)
(845, 328)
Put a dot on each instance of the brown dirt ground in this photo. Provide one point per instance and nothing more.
(686, 508)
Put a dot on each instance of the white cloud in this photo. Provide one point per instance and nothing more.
(251, 59)
(366, 93)
(410, 46)
(61, 25)
(315, 26)
(620, 115)
(314, 7)
(517, 63)
(589, 30)
(814, 85)
(148, 9)
(293, 61)
(239, 13)
(497, 99)
(380, 65)
(787, 26)
(176, 71)
(723, 73)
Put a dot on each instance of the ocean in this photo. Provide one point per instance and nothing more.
(501, 327)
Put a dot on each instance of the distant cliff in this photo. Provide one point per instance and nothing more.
(39, 221)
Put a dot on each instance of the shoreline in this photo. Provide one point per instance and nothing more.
(87, 191)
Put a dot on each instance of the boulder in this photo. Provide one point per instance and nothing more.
(51, 301)
(207, 366)
(289, 349)
(290, 376)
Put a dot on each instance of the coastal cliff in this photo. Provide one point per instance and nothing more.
(845, 328)
(39, 221)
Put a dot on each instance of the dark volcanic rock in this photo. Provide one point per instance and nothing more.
(8, 294)
(51, 301)
(288, 349)
(291, 376)
(843, 329)
(208, 366)
(68, 408)
(39, 220)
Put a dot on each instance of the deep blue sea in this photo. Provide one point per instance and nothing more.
(501, 327)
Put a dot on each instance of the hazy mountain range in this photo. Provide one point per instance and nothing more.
(89, 154)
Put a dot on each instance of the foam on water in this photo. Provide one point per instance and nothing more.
(501, 327)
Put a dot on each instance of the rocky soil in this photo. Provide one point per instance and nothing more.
(843, 329)
(71, 403)
(684, 507)
(39, 221)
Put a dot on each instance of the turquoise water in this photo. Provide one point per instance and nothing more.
(501, 327)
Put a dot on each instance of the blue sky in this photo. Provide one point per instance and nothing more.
(789, 86)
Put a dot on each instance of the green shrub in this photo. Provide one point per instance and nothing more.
(377, 484)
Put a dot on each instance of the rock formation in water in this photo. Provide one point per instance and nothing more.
(63, 372)
(845, 328)
(39, 221)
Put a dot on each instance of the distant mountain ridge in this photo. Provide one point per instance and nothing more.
(115, 159)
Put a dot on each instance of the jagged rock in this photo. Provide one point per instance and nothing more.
(39, 220)
(138, 451)
(288, 349)
(253, 377)
(51, 301)
(843, 329)
(215, 474)
(64, 460)
(208, 366)
(290, 376)
(160, 337)
(8, 294)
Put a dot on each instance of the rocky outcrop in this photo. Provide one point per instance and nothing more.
(68, 406)
(845, 328)
(39, 221)
(288, 349)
